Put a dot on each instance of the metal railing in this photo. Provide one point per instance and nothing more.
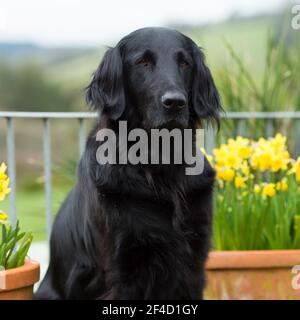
(46, 117)
(241, 119)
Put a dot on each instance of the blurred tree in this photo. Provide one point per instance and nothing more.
(25, 87)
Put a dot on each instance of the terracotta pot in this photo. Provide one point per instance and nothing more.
(262, 275)
(17, 284)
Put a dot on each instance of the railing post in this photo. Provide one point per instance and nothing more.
(241, 127)
(47, 174)
(296, 137)
(11, 163)
(269, 128)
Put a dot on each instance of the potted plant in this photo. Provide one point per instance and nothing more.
(256, 233)
(17, 275)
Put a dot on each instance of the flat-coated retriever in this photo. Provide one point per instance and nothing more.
(138, 231)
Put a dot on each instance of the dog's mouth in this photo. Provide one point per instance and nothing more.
(179, 120)
(156, 118)
(173, 124)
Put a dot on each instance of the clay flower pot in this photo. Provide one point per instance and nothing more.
(17, 284)
(263, 275)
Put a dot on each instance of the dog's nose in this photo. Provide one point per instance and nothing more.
(173, 99)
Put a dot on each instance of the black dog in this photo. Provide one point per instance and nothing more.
(138, 231)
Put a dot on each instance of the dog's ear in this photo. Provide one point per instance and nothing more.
(205, 97)
(106, 93)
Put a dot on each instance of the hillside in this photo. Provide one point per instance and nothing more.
(247, 36)
(71, 68)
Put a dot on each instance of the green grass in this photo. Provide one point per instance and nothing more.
(31, 209)
(248, 37)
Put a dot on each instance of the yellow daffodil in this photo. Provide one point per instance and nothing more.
(3, 175)
(269, 190)
(278, 143)
(254, 161)
(298, 174)
(241, 160)
(239, 182)
(271, 154)
(282, 185)
(225, 174)
(3, 217)
(245, 152)
(245, 169)
(278, 163)
(220, 156)
(265, 161)
(232, 161)
(4, 189)
(257, 188)
(295, 169)
(4, 182)
(3, 167)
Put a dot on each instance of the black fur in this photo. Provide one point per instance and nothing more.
(143, 231)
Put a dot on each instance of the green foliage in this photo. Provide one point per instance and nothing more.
(274, 88)
(26, 87)
(14, 246)
(246, 221)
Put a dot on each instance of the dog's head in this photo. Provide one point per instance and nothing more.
(158, 77)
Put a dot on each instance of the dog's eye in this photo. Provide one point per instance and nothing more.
(183, 64)
(143, 61)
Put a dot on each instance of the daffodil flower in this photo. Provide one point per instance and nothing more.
(269, 190)
(3, 217)
(4, 188)
(257, 188)
(282, 185)
(239, 182)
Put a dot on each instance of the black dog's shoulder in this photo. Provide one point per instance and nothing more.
(204, 180)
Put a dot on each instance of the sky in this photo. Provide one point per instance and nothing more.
(95, 22)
